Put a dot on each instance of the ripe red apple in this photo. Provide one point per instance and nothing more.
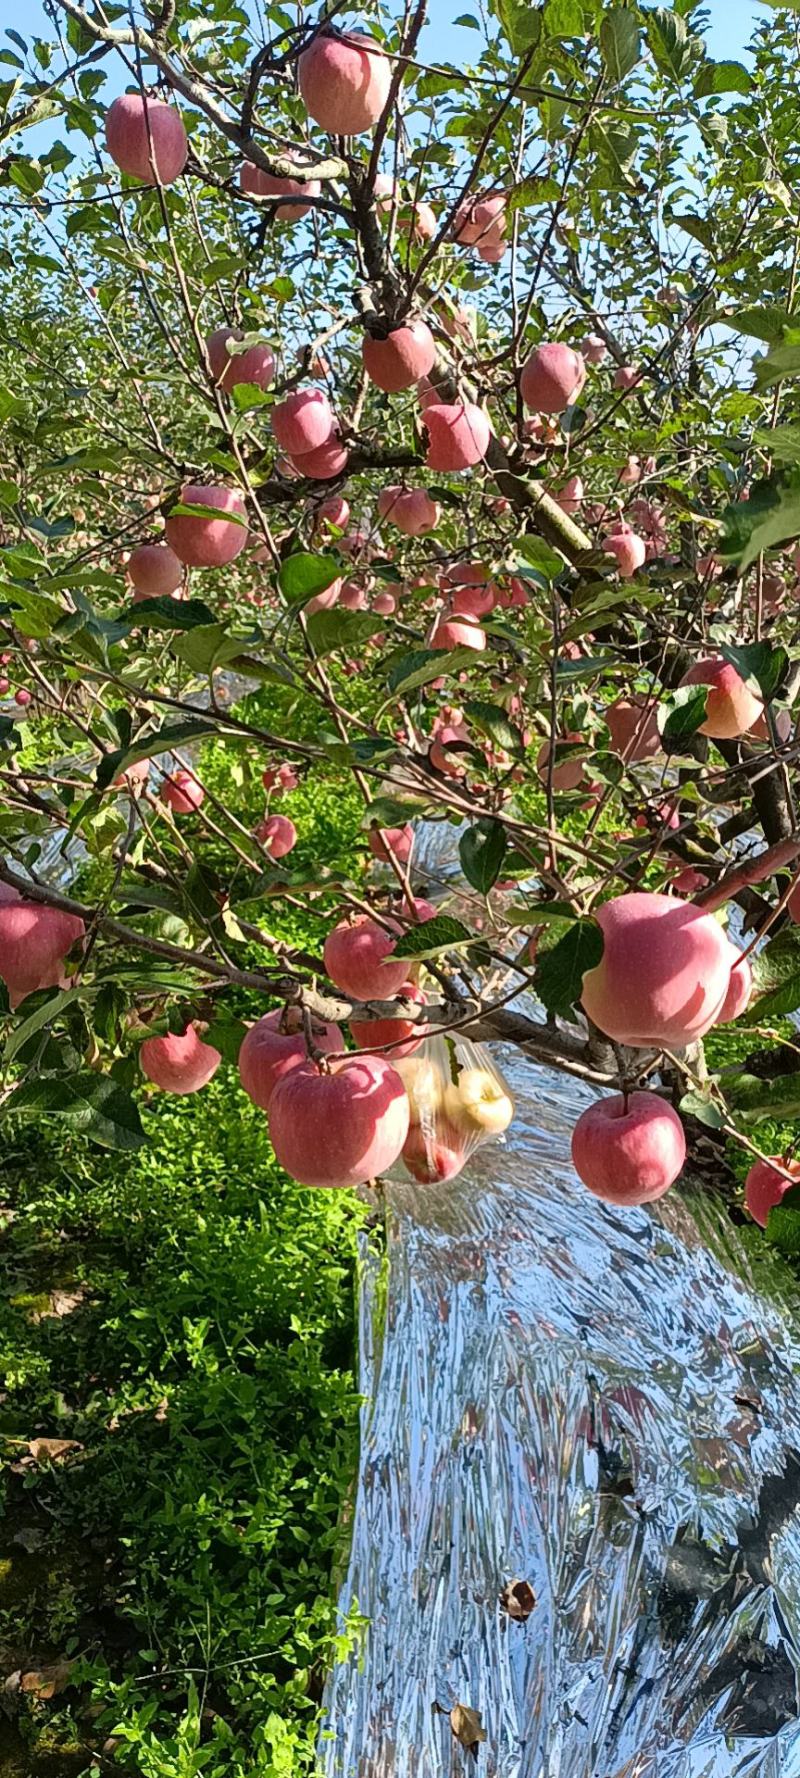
(303, 421)
(256, 364)
(328, 460)
(278, 835)
(396, 362)
(146, 138)
(384, 603)
(344, 82)
(458, 632)
(333, 511)
(629, 550)
(182, 792)
(437, 752)
(626, 377)
(767, 1183)
(478, 218)
(459, 435)
(664, 974)
(274, 1045)
(436, 1153)
(567, 775)
(34, 940)
(633, 728)
(411, 509)
(731, 707)
(740, 988)
(552, 378)
(208, 542)
(179, 1064)
(404, 1035)
(394, 841)
(340, 1128)
(493, 246)
(270, 185)
(155, 570)
(570, 496)
(325, 600)
(594, 348)
(629, 1151)
(358, 959)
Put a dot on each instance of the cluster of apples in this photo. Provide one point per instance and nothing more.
(667, 974)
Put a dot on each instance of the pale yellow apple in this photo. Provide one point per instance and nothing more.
(424, 1086)
(479, 1102)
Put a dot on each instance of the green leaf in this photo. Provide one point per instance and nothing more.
(56, 1003)
(539, 188)
(443, 933)
(722, 77)
(482, 850)
(760, 322)
(751, 1097)
(559, 972)
(704, 1110)
(782, 442)
(781, 363)
(760, 661)
(92, 1103)
(197, 510)
(169, 614)
(770, 517)
(338, 628)
(563, 18)
(409, 671)
(540, 913)
(538, 555)
(776, 978)
(176, 734)
(303, 575)
(393, 811)
(619, 43)
(681, 714)
(698, 227)
(491, 720)
(669, 41)
(521, 23)
(783, 1224)
(209, 646)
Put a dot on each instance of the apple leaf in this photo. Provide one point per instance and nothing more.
(559, 974)
(752, 1097)
(302, 575)
(93, 1103)
(619, 42)
(681, 714)
(176, 734)
(170, 614)
(759, 661)
(443, 933)
(482, 850)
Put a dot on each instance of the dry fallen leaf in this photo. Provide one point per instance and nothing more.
(518, 1599)
(49, 1450)
(467, 1727)
(46, 1682)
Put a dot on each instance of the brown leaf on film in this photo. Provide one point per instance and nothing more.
(518, 1600)
(467, 1727)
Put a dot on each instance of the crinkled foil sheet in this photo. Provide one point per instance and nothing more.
(603, 1404)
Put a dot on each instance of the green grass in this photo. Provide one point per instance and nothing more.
(186, 1316)
(203, 1362)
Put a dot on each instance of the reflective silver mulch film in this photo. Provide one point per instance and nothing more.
(600, 1403)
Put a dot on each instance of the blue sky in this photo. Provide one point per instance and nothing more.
(731, 22)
